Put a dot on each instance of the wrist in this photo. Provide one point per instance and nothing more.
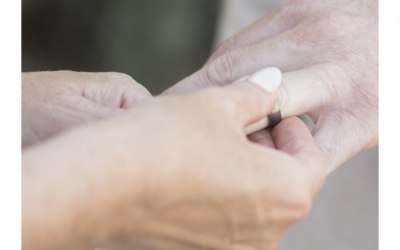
(60, 198)
(52, 205)
(81, 189)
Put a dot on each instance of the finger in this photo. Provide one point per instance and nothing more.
(133, 95)
(79, 110)
(311, 89)
(292, 136)
(72, 111)
(285, 51)
(247, 102)
(276, 22)
(116, 90)
(340, 136)
(262, 137)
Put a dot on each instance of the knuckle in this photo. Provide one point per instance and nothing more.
(297, 2)
(301, 202)
(224, 47)
(306, 35)
(303, 209)
(119, 78)
(325, 23)
(326, 26)
(318, 177)
(309, 34)
(299, 195)
(331, 23)
(126, 88)
(221, 70)
(296, 202)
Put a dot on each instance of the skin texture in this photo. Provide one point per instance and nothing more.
(53, 102)
(173, 173)
(328, 51)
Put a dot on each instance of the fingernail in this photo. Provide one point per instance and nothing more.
(268, 78)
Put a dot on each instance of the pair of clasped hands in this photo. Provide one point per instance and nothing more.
(105, 164)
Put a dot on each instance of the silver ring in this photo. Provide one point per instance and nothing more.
(274, 118)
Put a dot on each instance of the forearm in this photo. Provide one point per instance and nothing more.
(54, 214)
(70, 193)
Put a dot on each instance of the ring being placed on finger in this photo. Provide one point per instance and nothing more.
(275, 117)
(269, 79)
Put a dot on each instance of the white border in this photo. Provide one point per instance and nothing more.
(389, 174)
(10, 130)
(10, 61)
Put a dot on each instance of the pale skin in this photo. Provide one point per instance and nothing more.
(328, 51)
(53, 102)
(138, 181)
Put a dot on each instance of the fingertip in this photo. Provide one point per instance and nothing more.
(115, 90)
(134, 95)
(269, 78)
(250, 89)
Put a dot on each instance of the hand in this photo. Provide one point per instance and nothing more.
(175, 173)
(329, 51)
(53, 102)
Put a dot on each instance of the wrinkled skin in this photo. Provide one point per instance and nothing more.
(53, 102)
(173, 173)
(328, 51)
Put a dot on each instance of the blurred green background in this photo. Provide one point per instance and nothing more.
(157, 42)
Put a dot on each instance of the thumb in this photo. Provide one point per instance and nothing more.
(292, 136)
(256, 105)
(250, 102)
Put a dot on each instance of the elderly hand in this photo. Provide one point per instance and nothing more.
(56, 101)
(329, 51)
(175, 173)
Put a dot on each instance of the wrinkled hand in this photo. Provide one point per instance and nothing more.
(175, 173)
(53, 102)
(329, 53)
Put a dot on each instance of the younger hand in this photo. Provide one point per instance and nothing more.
(175, 173)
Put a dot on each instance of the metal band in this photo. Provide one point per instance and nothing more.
(274, 119)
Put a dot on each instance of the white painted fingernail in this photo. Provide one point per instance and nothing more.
(268, 78)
